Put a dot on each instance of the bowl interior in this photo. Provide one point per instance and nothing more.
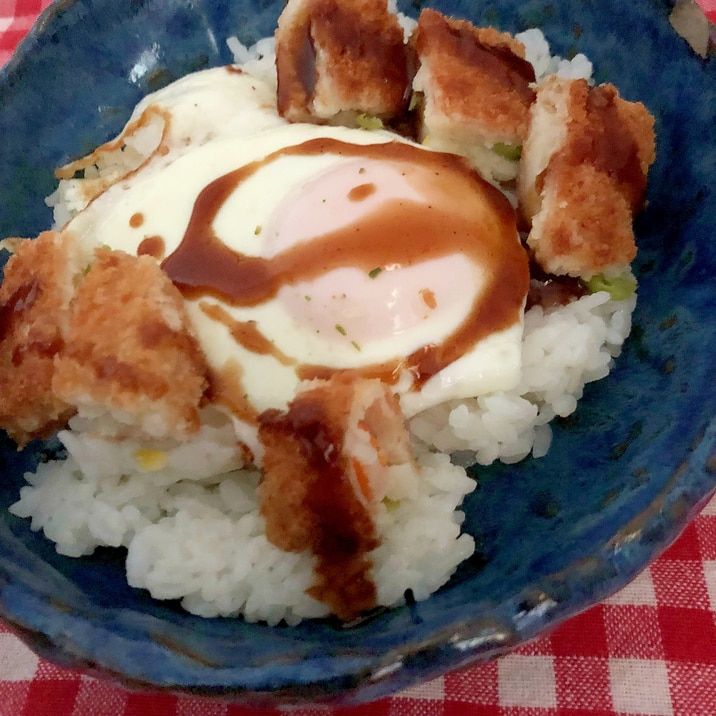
(554, 535)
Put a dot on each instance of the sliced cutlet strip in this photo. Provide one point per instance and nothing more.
(336, 59)
(476, 92)
(583, 177)
(131, 363)
(331, 458)
(39, 280)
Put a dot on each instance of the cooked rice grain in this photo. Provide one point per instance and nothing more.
(563, 349)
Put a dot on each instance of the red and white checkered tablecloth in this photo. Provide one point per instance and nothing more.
(649, 650)
(16, 18)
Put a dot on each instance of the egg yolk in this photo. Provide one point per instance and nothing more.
(393, 298)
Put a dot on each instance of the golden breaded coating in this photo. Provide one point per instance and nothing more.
(590, 232)
(130, 354)
(34, 307)
(340, 56)
(475, 83)
(583, 177)
(324, 471)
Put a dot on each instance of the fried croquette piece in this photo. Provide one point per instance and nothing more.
(34, 308)
(129, 353)
(336, 59)
(476, 91)
(583, 177)
(327, 466)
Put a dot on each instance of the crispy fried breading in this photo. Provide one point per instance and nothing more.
(592, 230)
(339, 56)
(129, 353)
(475, 82)
(583, 176)
(34, 308)
(324, 471)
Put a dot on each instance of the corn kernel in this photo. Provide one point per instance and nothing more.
(151, 460)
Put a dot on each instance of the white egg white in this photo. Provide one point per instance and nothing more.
(346, 318)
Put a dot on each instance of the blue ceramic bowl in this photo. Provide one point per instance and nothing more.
(625, 473)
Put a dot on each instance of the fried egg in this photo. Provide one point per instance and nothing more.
(305, 250)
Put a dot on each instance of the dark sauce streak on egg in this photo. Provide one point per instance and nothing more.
(388, 373)
(245, 333)
(428, 298)
(472, 218)
(152, 246)
(226, 389)
(361, 192)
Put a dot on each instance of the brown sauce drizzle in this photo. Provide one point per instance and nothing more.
(361, 192)
(342, 529)
(22, 299)
(606, 142)
(305, 72)
(245, 333)
(549, 290)
(428, 298)
(388, 373)
(152, 332)
(617, 152)
(341, 30)
(226, 389)
(152, 246)
(553, 291)
(500, 63)
(47, 348)
(480, 225)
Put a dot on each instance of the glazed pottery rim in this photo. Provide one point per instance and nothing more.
(477, 638)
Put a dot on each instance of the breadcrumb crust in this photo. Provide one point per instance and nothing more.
(129, 349)
(320, 489)
(590, 179)
(476, 81)
(335, 56)
(34, 312)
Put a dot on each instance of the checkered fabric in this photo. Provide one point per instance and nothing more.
(16, 18)
(709, 8)
(648, 651)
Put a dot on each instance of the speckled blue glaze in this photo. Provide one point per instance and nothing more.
(625, 473)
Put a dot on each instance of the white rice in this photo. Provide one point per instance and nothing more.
(190, 519)
(563, 349)
(258, 60)
(194, 531)
(537, 53)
